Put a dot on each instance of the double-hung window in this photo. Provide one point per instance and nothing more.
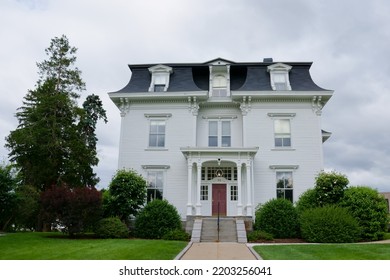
(279, 76)
(159, 82)
(219, 133)
(160, 77)
(282, 133)
(155, 185)
(284, 185)
(280, 81)
(219, 86)
(157, 134)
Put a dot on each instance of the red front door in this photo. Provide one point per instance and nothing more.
(219, 199)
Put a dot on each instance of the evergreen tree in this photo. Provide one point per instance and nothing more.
(55, 141)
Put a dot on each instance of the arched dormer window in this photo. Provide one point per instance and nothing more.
(279, 75)
(160, 78)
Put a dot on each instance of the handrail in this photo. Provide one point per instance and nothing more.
(218, 223)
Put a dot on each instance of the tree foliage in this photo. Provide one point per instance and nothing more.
(73, 210)
(126, 195)
(27, 208)
(330, 187)
(55, 141)
(8, 198)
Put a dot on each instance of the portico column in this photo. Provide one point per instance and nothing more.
(248, 188)
(189, 189)
(198, 179)
(239, 190)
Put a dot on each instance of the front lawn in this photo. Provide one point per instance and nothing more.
(325, 252)
(56, 246)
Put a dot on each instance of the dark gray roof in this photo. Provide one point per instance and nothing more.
(244, 76)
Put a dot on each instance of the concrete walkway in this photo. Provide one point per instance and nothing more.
(218, 251)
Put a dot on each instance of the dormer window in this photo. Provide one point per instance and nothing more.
(160, 78)
(219, 86)
(279, 75)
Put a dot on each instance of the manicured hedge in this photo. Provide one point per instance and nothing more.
(369, 208)
(329, 224)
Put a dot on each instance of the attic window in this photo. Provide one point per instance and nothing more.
(219, 86)
(279, 76)
(160, 78)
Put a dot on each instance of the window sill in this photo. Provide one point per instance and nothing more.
(283, 149)
(156, 149)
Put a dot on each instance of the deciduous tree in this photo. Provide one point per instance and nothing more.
(126, 195)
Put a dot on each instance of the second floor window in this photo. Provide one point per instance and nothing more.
(282, 133)
(157, 134)
(219, 134)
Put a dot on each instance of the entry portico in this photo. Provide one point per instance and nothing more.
(220, 181)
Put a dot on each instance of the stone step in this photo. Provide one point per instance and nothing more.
(227, 230)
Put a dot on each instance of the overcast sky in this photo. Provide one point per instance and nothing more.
(348, 42)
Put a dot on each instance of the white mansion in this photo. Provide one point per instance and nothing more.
(222, 136)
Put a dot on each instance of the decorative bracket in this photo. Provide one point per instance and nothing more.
(245, 105)
(193, 105)
(124, 106)
(317, 105)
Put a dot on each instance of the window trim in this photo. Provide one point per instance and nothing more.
(219, 132)
(282, 116)
(149, 133)
(157, 117)
(159, 72)
(233, 194)
(282, 136)
(279, 69)
(204, 192)
(222, 70)
(284, 188)
(156, 170)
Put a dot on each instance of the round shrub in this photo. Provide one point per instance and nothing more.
(369, 208)
(329, 224)
(307, 200)
(111, 228)
(176, 234)
(279, 218)
(156, 219)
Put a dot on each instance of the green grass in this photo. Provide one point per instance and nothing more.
(56, 246)
(325, 252)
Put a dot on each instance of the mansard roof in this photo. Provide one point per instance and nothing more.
(244, 76)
